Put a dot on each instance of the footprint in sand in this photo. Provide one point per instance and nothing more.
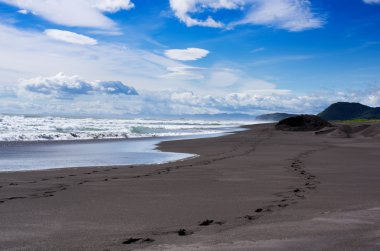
(251, 217)
(184, 232)
(137, 241)
(15, 198)
(283, 205)
(206, 223)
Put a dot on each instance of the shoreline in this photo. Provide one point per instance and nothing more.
(150, 145)
(244, 191)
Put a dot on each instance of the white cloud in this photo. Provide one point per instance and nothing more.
(26, 54)
(81, 13)
(187, 54)
(64, 86)
(372, 1)
(292, 15)
(257, 101)
(184, 73)
(70, 37)
(223, 78)
(183, 8)
(113, 6)
(74, 95)
(23, 11)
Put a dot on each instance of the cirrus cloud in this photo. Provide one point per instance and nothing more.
(291, 15)
(188, 54)
(70, 37)
(372, 1)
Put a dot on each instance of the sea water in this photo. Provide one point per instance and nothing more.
(28, 128)
(36, 143)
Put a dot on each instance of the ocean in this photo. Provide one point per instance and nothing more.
(27, 128)
(36, 143)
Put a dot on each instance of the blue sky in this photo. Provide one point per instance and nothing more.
(187, 56)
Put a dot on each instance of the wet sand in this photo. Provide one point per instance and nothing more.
(258, 189)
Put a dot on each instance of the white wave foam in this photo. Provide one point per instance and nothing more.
(24, 128)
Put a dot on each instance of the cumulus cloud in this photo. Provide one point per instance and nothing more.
(372, 1)
(113, 6)
(63, 86)
(186, 54)
(292, 15)
(70, 37)
(74, 95)
(183, 8)
(257, 101)
(81, 13)
(114, 88)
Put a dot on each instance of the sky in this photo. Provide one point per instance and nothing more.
(183, 57)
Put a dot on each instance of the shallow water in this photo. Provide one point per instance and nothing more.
(39, 155)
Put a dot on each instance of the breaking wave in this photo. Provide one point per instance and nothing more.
(26, 128)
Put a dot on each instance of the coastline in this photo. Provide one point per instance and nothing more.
(244, 191)
(21, 156)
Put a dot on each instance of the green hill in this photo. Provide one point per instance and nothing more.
(347, 111)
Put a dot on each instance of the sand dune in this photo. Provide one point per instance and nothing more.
(368, 130)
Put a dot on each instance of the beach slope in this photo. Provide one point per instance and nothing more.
(258, 189)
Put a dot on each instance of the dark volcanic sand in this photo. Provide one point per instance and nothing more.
(259, 189)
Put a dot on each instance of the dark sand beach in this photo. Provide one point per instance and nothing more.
(258, 189)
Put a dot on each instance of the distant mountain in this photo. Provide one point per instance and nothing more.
(274, 116)
(219, 116)
(346, 111)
